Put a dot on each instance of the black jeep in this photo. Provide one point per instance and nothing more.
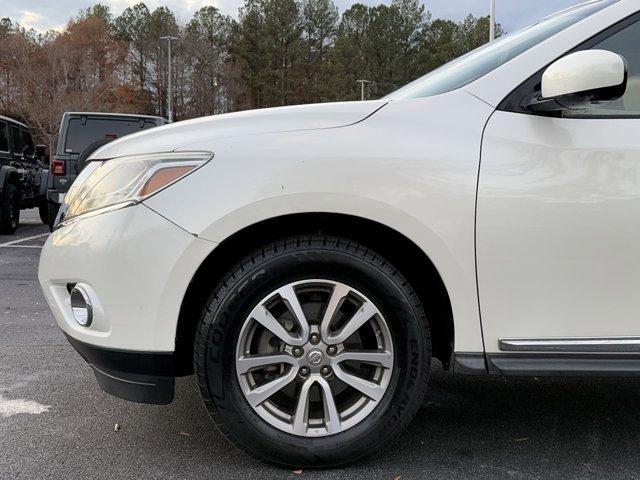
(23, 174)
(82, 133)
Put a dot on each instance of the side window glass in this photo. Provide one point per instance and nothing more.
(27, 141)
(27, 145)
(4, 137)
(626, 43)
(16, 142)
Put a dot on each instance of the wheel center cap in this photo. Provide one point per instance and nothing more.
(315, 357)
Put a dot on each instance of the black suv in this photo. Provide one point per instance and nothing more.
(23, 174)
(81, 134)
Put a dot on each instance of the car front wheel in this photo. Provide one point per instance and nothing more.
(313, 351)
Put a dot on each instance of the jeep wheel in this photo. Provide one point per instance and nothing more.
(43, 210)
(52, 213)
(313, 351)
(9, 209)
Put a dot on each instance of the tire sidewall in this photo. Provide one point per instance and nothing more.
(411, 345)
(52, 213)
(43, 211)
(9, 199)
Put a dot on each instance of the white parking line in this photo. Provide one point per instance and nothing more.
(25, 239)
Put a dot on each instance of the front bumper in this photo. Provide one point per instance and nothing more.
(142, 377)
(136, 266)
(55, 196)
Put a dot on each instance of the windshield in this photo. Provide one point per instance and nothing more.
(490, 56)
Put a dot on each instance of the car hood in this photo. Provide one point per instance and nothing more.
(250, 122)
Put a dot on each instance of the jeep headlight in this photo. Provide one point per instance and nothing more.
(123, 181)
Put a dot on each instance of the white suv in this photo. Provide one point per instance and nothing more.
(308, 263)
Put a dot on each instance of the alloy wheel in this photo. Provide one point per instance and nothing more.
(314, 357)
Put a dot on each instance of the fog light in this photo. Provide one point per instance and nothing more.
(81, 306)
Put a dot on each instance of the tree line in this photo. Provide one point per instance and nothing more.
(277, 52)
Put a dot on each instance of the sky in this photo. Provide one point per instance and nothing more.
(53, 14)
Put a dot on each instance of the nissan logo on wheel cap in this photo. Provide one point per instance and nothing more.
(315, 357)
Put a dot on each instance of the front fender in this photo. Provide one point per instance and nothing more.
(6, 172)
(411, 166)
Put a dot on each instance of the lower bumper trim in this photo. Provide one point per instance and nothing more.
(143, 377)
(56, 197)
(145, 389)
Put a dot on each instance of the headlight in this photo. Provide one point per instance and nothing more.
(123, 181)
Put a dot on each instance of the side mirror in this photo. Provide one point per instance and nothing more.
(581, 80)
(28, 151)
(41, 152)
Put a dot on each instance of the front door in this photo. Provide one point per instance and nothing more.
(558, 224)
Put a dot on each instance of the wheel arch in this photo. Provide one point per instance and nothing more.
(402, 252)
(9, 175)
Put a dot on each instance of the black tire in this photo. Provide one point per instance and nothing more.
(9, 209)
(43, 210)
(52, 213)
(268, 268)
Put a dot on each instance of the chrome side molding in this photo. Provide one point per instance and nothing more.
(572, 345)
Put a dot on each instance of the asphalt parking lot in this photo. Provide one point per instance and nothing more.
(56, 423)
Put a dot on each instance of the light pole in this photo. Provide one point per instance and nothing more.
(169, 39)
(492, 20)
(362, 83)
